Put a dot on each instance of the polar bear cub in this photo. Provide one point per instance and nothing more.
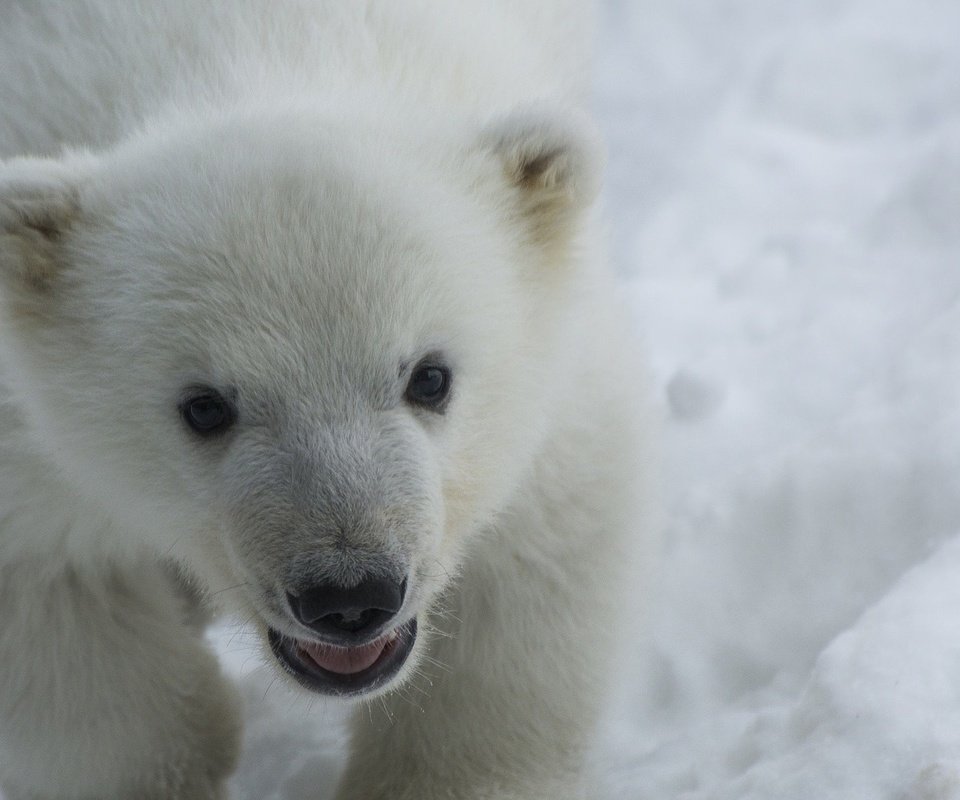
(302, 318)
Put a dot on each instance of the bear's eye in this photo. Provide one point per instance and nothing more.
(206, 411)
(429, 385)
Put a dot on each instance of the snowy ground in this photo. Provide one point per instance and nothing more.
(785, 196)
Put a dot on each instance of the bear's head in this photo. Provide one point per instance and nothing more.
(309, 360)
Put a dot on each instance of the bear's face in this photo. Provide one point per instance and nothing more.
(308, 366)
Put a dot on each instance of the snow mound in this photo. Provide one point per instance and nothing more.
(878, 716)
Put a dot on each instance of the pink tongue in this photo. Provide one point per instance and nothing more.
(344, 660)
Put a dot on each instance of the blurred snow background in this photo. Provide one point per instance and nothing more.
(784, 194)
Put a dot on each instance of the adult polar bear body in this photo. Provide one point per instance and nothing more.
(304, 297)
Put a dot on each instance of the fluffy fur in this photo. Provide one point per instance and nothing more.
(295, 201)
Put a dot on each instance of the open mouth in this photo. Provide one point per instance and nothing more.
(345, 670)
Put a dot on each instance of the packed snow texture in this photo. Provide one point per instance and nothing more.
(785, 192)
(784, 195)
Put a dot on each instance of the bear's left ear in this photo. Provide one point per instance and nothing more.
(39, 204)
(552, 161)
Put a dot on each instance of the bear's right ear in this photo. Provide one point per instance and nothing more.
(39, 203)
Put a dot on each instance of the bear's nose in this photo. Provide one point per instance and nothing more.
(348, 614)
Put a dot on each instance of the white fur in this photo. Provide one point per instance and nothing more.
(294, 200)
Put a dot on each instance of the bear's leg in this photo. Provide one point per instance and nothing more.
(107, 690)
(504, 706)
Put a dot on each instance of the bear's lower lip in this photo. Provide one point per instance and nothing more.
(344, 671)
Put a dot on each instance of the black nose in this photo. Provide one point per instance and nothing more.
(348, 614)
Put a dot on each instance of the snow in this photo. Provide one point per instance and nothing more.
(785, 188)
(784, 194)
(784, 197)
